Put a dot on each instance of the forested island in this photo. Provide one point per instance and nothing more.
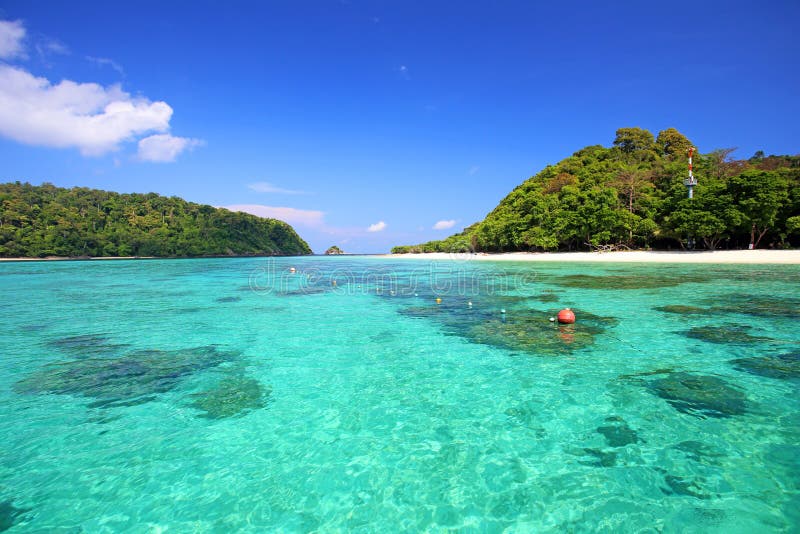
(42, 221)
(632, 195)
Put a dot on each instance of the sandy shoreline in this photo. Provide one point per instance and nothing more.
(772, 257)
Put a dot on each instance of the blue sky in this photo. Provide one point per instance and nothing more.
(371, 124)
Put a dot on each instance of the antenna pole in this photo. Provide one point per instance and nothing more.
(690, 182)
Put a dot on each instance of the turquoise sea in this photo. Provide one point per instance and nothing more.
(233, 395)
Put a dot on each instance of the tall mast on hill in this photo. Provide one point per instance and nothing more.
(691, 181)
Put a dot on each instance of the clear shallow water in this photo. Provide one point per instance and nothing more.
(228, 394)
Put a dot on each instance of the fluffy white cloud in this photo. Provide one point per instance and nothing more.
(444, 225)
(377, 227)
(163, 148)
(266, 187)
(308, 218)
(93, 118)
(11, 35)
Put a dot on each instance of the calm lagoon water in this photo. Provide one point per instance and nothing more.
(232, 395)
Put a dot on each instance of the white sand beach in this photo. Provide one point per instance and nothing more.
(775, 257)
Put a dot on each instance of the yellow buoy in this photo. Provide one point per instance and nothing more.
(438, 300)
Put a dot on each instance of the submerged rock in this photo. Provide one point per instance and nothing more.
(231, 397)
(9, 514)
(87, 345)
(532, 332)
(724, 335)
(681, 486)
(700, 395)
(682, 309)
(127, 380)
(600, 458)
(783, 366)
(626, 281)
(758, 306)
(618, 434)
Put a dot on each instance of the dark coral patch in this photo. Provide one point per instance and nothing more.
(532, 332)
(123, 381)
(628, 281)
(232, 397)
(229, 299)
(783, 366)
(600, 458)
(700, 395)
(757, 306)
(87, 345)
(619, 433)
(724, 335)
(9, 514)
(682, 310)
(682, 486)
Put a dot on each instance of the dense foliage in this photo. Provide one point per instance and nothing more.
(632, 195)
(39, 221)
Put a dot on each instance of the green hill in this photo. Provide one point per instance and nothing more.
(39, 221)
(632, 195)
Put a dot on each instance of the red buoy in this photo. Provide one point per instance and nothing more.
(566, 316)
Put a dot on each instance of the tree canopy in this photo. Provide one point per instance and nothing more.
(632, 195)
(39, 221)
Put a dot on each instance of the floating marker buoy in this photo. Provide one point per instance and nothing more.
(391, 293)
(416, 295)
(469, 304)
(438, 300)
(566, 316)
(333, 283)
(552, 319)
(292, 269)
(503, 310)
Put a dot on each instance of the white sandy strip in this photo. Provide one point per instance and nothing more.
(777, 257)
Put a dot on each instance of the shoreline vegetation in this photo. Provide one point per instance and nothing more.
(744, 257)
(54, 222)
(755, 257)
(633, 196)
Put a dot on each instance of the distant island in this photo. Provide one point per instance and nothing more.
(632, 196)
(334, 250)
(43, 221)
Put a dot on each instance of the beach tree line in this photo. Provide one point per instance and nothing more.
(40, 221)
(632, 195)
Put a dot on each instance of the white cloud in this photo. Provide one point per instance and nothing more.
(104, 61)
(93, 118)
(266, 187)
(377, 227)
(473, 170)
(308, 218)
(12, 34)
(403, 70)
(88, 116)
(444, 225)
(163, 148)
(48, 47)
